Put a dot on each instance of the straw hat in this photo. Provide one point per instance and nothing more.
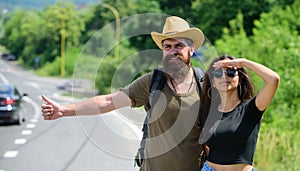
(176, 27)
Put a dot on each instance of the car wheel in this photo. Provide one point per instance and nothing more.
(20, 120)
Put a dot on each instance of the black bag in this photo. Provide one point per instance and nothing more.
(157, 83)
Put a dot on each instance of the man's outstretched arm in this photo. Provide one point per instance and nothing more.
(95, 105)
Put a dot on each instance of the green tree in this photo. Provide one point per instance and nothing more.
(30, 34)
(103, 16)
(61, 18)
(213, 15)
(12, 39)
(176, 7)
(133, 38)
(23, 33)
(277, 43)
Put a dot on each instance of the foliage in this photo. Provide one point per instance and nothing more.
(62, 19)
(104, 16)
(30, 34)
(279, 39)
(212, 15)
(220, 12)
(14, 42)
(107, 68)
(176, 7)
(53, 68)
(100, 41)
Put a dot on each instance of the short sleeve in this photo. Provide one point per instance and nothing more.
(138, 90)
(253, 111)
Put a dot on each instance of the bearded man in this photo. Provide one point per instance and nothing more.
(173, 127)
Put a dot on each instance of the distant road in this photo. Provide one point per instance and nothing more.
(107, 142)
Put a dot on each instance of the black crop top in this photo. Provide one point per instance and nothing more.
(233, 135)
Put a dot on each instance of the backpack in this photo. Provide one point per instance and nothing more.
(157, 83)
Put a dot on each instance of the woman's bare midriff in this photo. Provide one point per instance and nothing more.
(232, 167)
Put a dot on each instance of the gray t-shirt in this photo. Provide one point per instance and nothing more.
(173, 133)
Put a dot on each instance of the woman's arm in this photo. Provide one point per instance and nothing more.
(92, 106)
(271, 79)
(206, 149)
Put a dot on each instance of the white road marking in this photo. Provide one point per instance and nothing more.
(20, 141)
(10, 154)
(34, 120)
(30, 126)
(34, 105)
(26, 132)
(4, 80)
(35, 117)
(33, 84)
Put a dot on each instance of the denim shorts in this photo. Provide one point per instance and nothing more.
(206, 167)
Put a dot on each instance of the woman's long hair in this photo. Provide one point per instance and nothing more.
(210, 98)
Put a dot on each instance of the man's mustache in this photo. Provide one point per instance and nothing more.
(171, 56)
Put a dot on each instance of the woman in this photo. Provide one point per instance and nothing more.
(233, 113)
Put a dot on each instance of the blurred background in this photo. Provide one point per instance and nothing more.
(77, 46)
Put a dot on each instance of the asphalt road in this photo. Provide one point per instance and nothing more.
(103, 142)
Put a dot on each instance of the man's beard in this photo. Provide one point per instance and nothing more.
(175, 67)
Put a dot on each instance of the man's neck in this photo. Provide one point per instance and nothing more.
(182, 85)
(188, 78)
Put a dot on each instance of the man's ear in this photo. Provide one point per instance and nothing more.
(192, 50)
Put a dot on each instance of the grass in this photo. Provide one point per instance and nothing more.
(277, 150)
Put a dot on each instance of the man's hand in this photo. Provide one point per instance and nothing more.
(50, 110)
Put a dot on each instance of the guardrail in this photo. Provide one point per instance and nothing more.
(78, 86)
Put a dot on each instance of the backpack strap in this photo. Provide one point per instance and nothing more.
(199, 75)
(157, 82)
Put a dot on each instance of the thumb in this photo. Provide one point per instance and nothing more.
(47, 100)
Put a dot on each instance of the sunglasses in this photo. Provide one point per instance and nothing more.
(230, 72)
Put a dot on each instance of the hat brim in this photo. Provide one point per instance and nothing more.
(194, 34)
